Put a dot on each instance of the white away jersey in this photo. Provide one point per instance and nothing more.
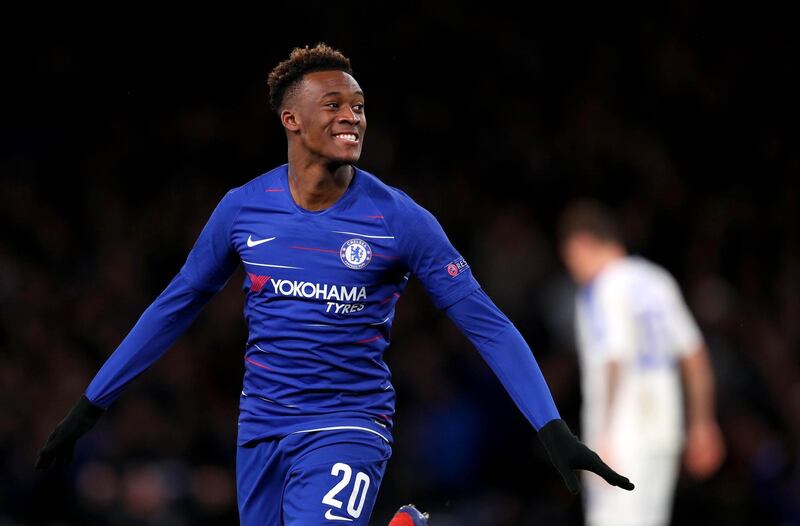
(633, 313)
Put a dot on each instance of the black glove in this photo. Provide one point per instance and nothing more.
(566, 453)
(61, 442)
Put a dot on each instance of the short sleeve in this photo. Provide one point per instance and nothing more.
(683, 329)
(431, 257)
(213, 259)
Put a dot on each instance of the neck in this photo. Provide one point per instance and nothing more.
(609, 254)
(317, 186)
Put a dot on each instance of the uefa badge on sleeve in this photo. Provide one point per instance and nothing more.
(454, 268)
(355, 253)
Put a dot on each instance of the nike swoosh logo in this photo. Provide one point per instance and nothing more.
(331, 517)
(251, 243)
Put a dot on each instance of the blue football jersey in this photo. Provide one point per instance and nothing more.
(320, 294)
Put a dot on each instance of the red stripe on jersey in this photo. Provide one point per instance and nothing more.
(274, 190)
(394, 295)
(378, 337)
(258, 364)
(316, 249)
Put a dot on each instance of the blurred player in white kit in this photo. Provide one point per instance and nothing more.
(637, 341)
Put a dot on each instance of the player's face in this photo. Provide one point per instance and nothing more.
(579, 252)
(330, 119)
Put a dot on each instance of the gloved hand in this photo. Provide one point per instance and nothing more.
(61, 442)
(566, 453)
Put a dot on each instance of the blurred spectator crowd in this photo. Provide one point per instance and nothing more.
(108, 180)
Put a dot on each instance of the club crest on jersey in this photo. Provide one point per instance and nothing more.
(355, 253)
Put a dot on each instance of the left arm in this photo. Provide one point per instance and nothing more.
(505, 350)
(699, 385)
(705, 449)
(448, 279)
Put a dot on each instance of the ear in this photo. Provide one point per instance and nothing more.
(289, 120)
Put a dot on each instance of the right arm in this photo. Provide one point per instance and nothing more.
(208, 266)
(210, 263)
(612, 371)
(155, 332)
(617, 343)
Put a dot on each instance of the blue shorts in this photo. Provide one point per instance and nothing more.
(313, 478)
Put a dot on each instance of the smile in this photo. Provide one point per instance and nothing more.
(347, 137)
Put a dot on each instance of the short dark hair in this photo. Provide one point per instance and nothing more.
(285, 77)
(590, 217)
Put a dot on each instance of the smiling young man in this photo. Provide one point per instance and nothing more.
(328, 249)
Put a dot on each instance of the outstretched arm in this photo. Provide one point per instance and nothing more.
(508, 355)
(445, 274)
(157, 329)
(155, 332)
(211, 262)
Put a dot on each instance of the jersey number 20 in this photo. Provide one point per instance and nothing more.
(360, 488)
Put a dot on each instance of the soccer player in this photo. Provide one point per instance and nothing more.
(636, 341)
(328, 249)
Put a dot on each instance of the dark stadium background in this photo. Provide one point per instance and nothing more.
(119, 136)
